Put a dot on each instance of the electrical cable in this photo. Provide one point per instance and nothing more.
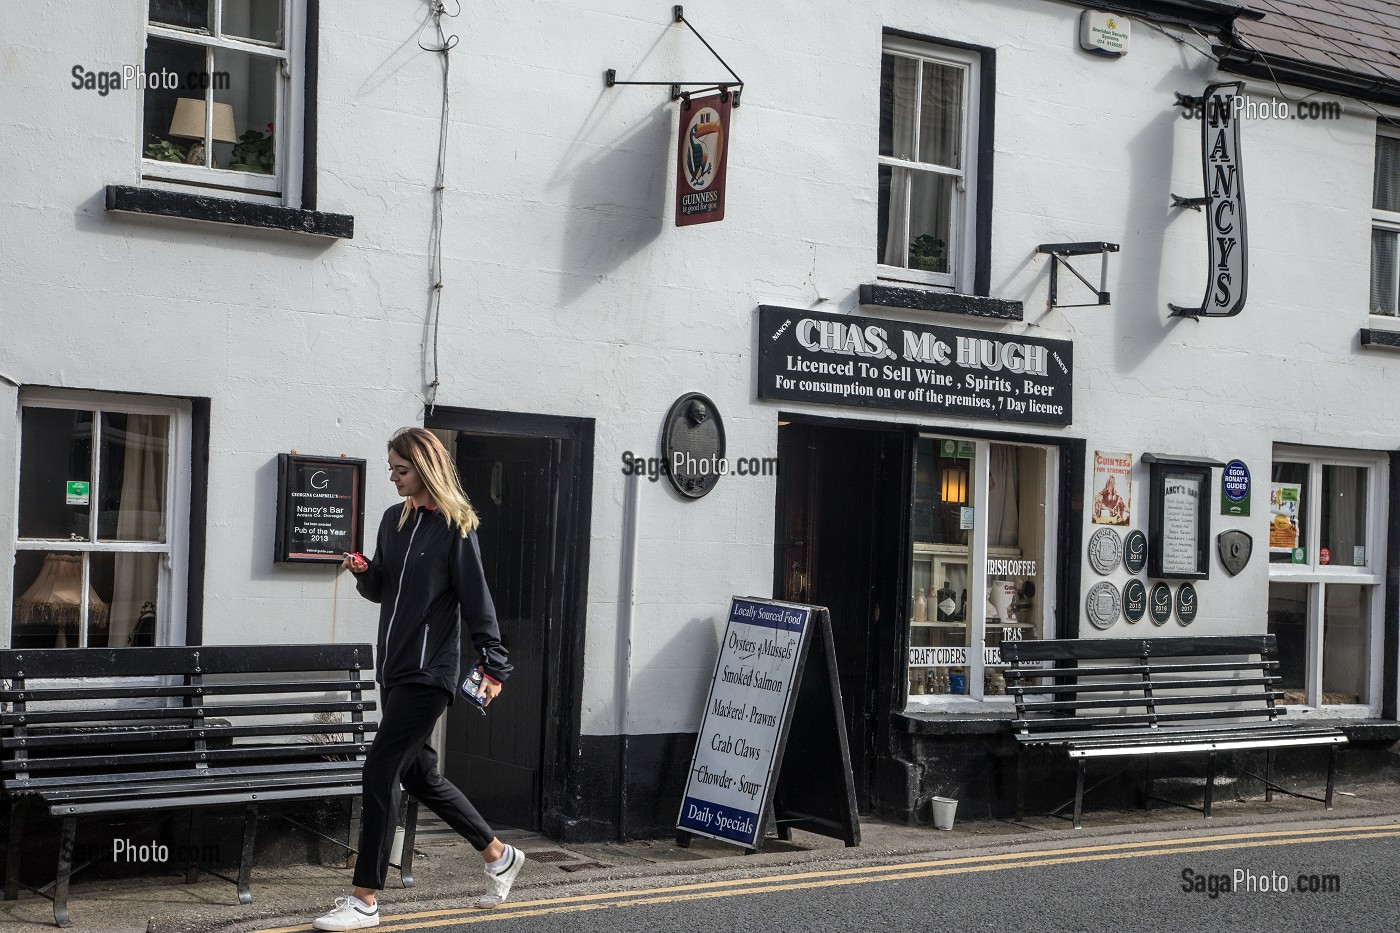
(445, 45)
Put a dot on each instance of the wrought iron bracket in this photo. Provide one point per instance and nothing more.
(734, 88)
(1194, 204)
(1059, 255)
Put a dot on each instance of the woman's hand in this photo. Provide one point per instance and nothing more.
(354, 563)
(490, 689)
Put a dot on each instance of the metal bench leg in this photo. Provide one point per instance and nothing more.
(1331, 772)
(245, 861)
(410, 830)
(196, 837)
(1269, 776)
(18, 809)
(1147, 786)
(1210, 781)
(352, 833)
(1020, 786)
(1079, 796)
(65, 871)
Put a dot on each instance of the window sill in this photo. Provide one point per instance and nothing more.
(965, 716)
(1380, 339)
(930, 299)
(131, 199)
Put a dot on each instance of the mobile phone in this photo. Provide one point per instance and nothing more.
(471, 688)
(357, 556)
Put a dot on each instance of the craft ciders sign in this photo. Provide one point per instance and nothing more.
(746, 720)
(806, 356)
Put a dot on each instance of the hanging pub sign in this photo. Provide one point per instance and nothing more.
(320, 508)
(841, 359)
(702, 158)
(1227, 275)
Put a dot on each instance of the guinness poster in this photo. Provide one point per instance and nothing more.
(839, 359)
(701, 159)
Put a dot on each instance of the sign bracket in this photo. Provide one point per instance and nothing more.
(724, 87)
(1059, 255)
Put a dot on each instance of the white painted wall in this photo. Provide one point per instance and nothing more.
(569, 291)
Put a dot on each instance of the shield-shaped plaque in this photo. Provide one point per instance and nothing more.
(1234, 547)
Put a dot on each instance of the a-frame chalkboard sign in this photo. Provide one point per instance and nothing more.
(774, 684)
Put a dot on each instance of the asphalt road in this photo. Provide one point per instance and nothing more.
(1182, 883)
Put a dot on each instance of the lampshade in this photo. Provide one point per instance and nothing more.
(953, 488)
(189, 121)
(56, 597)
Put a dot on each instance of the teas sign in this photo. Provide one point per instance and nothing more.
(701, 159)
(320, 508)
(746, 721)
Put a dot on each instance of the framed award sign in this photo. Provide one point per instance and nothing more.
(1179, 521)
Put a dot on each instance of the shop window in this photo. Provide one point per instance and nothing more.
(978, 572)
(1385, 225)
(1325, 575)
(99, 558)
(927, 173)
(224, 93)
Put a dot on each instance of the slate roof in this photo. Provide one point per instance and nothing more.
(1357, 36)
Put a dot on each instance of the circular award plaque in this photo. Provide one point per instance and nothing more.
(1135, 551)
(1103, 604)
(1159, 604)
(1134, 601)
(1186, 604)
(1105, 550)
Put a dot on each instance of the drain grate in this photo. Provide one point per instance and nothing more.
(550, 855)
(580, 866)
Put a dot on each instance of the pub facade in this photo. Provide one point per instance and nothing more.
(979, 345)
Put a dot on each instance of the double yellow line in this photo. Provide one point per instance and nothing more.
(870, 874)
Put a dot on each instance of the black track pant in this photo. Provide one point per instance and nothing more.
(401, 755)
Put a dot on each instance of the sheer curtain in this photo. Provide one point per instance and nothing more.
(140, 517)
(1004, 494)
(1385, 276)
(897, 114)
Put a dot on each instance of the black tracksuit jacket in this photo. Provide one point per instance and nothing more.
(420, 575)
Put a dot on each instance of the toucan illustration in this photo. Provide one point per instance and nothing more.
(698, 164)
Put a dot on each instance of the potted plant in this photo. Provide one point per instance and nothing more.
(163, 150)
(254, 152)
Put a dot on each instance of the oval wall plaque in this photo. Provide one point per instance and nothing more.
(1135, 552)
(1134, 601)
(1105, 550)
(1159, 604)
(693, 444)
(1103, 604)
(1186, 604)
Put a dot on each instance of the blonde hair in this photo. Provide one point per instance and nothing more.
(427, 455)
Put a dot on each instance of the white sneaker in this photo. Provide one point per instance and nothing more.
(498, 882)
(350, 913)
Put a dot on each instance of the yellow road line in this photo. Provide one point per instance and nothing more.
(871, 874)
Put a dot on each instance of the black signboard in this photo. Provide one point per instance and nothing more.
(839, 359)
(320, 508)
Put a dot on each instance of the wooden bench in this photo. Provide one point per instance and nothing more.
(102, 731)
(1147, 697)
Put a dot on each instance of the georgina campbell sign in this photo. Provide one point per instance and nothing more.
(807, 356)
(1227, 276)
(746, 719)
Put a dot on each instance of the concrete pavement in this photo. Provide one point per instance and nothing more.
(448, 871)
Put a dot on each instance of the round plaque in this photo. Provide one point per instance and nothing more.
(1105, 550)
(1135, 552)
(1103, 604)
(1186, 604)
(1134, 601)
(1159, 604)
(693, 442)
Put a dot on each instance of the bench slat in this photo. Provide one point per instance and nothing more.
(1202, 699)
(241, 753)
(1082, 649)
(33, 785)
(205, 659)
(349, 771)
(184, 732)
(142, 691)
(1130, 687)
(182, 712)
(1034, 673)
(171, 803)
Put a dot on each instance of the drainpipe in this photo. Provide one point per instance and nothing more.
(626, 610)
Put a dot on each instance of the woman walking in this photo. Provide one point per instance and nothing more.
(426, 568)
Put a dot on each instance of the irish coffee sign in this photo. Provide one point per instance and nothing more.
(701, 159)
(836, 359)
(1227, 276)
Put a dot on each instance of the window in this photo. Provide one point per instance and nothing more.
(979, 574)
(223, 105)
(1385, 226)
(927, 176)
(1326, 575)
(103, 511)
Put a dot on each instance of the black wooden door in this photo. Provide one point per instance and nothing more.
(496, 759)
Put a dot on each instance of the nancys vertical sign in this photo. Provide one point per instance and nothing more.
(702, 158)
(1227, 278)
